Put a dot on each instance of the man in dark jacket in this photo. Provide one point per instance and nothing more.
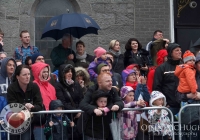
(62, 53)
(158, 34)
(105, 84)
(165, 81)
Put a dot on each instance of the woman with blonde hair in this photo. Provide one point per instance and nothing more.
(118, 63)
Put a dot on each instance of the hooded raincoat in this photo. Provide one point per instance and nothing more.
(74, 89)
(48, 92)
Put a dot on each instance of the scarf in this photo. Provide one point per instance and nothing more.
(69, 82)
(133, 85)
(115, 53)
(81, 58)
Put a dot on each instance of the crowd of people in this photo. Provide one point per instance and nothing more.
(100, 85)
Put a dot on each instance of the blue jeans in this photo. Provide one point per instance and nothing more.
(38, 133)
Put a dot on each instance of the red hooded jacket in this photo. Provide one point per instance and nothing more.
(160, 59)
(48, 92)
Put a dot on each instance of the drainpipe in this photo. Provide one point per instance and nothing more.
(171, 24)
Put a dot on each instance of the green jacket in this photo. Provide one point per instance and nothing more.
(59, 56)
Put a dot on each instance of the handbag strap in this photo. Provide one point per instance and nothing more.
(70, 97)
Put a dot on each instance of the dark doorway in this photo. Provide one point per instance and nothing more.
(187, 22)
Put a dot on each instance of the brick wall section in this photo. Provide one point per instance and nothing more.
(151, 15)
(118, 19)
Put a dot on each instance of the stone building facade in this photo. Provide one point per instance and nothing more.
(118, 19)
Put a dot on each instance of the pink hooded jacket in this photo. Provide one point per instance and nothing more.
(48, 92)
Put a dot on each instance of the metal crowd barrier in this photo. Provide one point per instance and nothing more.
(179, 118)
(125, 109)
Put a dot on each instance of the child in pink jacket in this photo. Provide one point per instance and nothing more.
(128, 120)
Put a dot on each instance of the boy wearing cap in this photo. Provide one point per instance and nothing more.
(101, 57)
(187, 88)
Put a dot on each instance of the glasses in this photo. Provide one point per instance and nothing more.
(106, 70)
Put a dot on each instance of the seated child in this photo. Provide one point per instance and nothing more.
(159, 122)
(101, 57)
(97, 126)
(56, 127)
(128, 121)
(187, 88)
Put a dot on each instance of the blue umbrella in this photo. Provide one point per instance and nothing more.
(75, 24)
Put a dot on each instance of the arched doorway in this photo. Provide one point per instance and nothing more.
(45, 10)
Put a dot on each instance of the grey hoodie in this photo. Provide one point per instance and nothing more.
(4, 80)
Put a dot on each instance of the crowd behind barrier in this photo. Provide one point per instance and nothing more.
(125, 109)
(179, 122)
(75, 89)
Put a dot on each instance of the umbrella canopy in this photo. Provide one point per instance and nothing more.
(75, 24)
(196, 46)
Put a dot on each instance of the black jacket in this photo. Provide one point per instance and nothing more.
(32, 95)
(60, 128)
(86, 106)
(98, 123)
(74, 90)
(140, 58)
(164, 79)
(118, 63)
(117, 80)
(89, 58)
(98, 126)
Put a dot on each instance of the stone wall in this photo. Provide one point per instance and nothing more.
(118, 19)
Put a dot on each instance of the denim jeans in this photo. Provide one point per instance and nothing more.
(38, 133)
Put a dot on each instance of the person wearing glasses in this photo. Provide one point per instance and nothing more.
(107, 68)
